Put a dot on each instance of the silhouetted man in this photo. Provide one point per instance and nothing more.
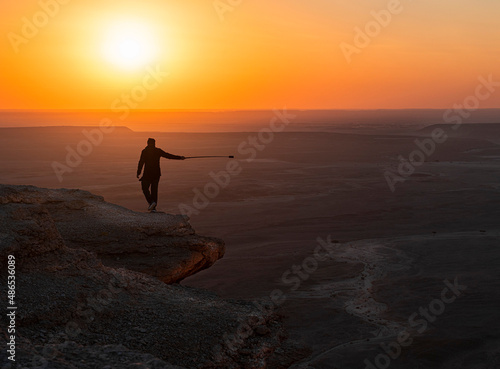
(150, 159)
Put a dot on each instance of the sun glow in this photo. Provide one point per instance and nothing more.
(129, 45)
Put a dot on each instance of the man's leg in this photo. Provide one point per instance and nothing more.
(154, 190)
(145, 190)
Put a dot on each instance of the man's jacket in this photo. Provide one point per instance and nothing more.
(150, 159)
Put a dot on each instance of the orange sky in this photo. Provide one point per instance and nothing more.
(262, 54)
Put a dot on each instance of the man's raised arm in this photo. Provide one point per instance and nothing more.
(170, 156)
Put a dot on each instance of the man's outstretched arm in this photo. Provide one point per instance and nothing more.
(140, 165)
(170, 156)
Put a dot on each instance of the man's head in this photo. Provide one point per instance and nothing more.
(151, 142)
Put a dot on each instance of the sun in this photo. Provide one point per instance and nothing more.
(129, 45)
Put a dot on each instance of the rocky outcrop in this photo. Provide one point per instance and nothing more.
(162, 245)
(74, 311)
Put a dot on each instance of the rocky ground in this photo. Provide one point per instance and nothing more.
(91, 291)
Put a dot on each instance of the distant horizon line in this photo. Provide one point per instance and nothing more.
(205, 132)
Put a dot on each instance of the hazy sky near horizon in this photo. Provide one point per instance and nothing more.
(260, 54)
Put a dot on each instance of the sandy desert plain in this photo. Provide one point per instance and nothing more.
(412, 276)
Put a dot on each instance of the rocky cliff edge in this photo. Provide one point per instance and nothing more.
(92, 292)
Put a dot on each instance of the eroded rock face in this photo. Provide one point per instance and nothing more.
(77, 312)
(162, 245)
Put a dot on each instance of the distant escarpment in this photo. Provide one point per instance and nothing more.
(92, 292)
